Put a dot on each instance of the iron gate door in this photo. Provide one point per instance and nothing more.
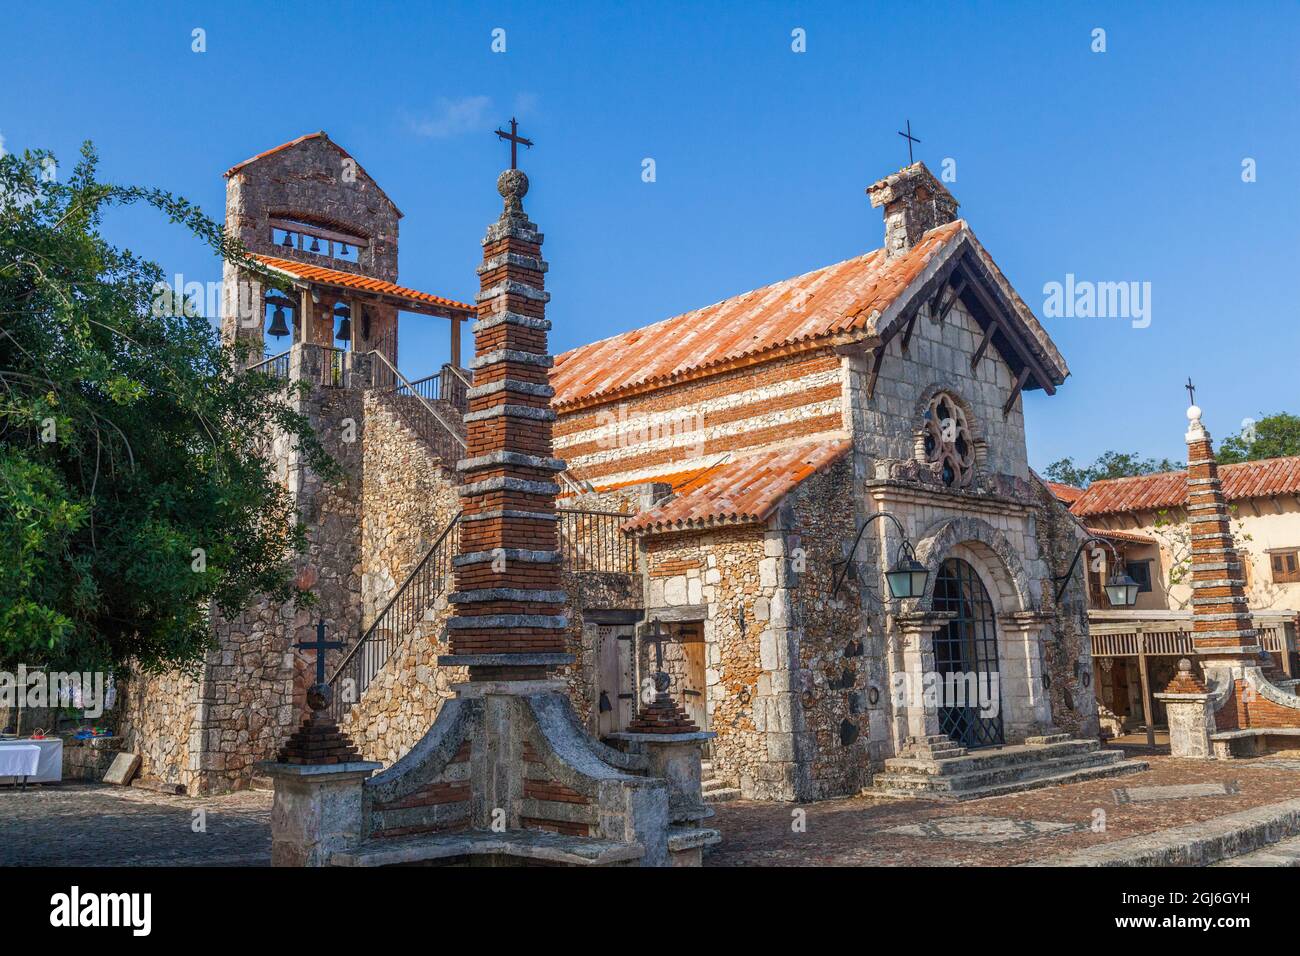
(966, 645)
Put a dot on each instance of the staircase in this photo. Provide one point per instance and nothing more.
(406, 608)
(715, 789)
(938, 769)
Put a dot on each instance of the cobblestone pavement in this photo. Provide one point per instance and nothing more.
(1035, 824)
(78, 824)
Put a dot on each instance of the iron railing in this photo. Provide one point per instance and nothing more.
(589, 541)
(276, 366)
(595, 541)
(393, 624)
(455, 387)
(431, 418)
(335, 369)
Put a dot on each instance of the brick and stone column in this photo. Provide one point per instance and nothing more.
(1223, 631)
(509, 622)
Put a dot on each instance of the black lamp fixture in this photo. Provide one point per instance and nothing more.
(1121, 590)
(908, 576)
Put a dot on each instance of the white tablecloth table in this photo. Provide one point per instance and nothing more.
(49, 764)
(19, 761)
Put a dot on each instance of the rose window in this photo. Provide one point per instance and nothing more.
(948, 441)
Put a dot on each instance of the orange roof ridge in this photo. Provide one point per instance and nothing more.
(1262, 478)
(353, 280)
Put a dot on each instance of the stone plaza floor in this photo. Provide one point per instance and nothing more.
(75, 824)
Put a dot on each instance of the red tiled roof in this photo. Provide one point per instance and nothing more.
(1067, 493)
(1129, 536)
(741, 491)
(1247, 479)
(838, 301)
(350, 280)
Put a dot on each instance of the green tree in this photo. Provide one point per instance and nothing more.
(134, 491)
(1273, 436)
(1111, 464)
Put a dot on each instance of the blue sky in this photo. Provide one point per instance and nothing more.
(1117, 166)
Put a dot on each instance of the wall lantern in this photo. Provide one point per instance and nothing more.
(906, 579)
(1121, 590)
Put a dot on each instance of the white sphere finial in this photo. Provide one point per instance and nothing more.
(1194, 413)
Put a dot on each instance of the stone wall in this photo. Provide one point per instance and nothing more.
(692, 424)
(1069, 653)
(156, 719)
(840, 725)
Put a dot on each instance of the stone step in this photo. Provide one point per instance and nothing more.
(1283, 853)
(1046, 739)
(975, 786)
(992, 759)
(723, 795)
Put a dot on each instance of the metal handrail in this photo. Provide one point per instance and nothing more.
(595, 541)
(428, 406)
(274, 361)
(431, 557)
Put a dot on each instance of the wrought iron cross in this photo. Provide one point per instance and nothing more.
(910, 140)
(515, 140)
(1191, 391)
(658, 639)
(320, 646)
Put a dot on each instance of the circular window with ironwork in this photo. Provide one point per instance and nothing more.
(948, 441)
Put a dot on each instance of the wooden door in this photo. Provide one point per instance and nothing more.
(693, 699)
(615, 698)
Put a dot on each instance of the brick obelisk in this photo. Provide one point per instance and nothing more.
(1223, 630)
(509, 621)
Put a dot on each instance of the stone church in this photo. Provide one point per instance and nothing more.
(722, 476)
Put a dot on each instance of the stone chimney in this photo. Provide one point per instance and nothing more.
(509, 622)
(1223, 630)
(915, 202)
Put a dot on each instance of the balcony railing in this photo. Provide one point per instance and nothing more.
(594, 541)
(276, 366)
(1169, 633)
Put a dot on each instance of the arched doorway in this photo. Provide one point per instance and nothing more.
(966, 658)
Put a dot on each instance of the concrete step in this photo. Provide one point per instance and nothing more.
(992, 759)
(723, 795)
(1001, 781)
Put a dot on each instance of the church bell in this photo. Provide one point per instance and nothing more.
(345, 327)
(278, 327)
(287, 241)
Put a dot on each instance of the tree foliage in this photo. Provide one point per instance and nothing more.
(1110, 464)
(134, 490)
(1273, 436)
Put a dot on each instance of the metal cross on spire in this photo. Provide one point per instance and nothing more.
(910, 140)
(320, 646)
(515, 140)
(1191, 391)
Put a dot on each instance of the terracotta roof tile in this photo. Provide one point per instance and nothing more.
(841, 300)
(1129, 536)
(741, 491)
(350, 280)
(1248, 479)
(1067, 493)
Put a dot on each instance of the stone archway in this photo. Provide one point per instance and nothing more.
(1026, 708)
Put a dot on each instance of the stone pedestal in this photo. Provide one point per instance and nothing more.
(317, 810)
(1191, 722)
(676, 758)
(921, 721)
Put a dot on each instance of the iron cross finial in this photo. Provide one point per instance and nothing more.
(320, 646)
(515, 140)
(910, 140)
(1191, 391)
(657, 639)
